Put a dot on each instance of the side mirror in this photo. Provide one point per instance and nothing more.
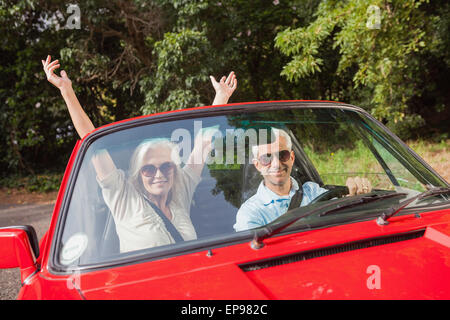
(19, 248)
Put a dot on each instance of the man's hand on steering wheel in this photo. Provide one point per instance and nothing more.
(358, 185)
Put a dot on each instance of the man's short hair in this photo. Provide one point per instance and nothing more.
(276, 133)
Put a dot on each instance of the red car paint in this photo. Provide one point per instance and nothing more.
(409, 269)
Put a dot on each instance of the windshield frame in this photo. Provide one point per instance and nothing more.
(203, 244)
(410, 167)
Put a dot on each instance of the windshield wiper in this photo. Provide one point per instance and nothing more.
(363, 199)
(273, 229)
(385, 216)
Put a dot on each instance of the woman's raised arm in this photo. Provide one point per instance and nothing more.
(80, 120)
(203, 142)
(103, 162)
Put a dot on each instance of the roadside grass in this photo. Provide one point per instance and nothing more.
(436, 154)
(40, 183)
(335, 166)
(422, 146)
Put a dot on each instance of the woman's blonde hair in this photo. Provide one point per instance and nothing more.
(137, 159)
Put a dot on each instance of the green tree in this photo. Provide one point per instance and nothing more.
(215, 37)
(105, 58)
(381, 46)
(33, 131)
(130, 57)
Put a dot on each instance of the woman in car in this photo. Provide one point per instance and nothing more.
(151, 206)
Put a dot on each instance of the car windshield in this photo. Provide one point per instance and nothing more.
(154, 193)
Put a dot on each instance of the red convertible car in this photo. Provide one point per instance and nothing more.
(106, 242)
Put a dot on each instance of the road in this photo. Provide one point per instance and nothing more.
(36, 215)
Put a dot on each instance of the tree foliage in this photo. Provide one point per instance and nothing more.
(381, 44)
(131, 57)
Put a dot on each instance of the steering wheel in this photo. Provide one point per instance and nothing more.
(336, 191)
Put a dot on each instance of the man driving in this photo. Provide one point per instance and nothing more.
(274, 195)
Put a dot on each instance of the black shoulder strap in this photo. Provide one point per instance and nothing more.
(169, 225)
(296, 199)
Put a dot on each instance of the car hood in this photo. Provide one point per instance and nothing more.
(399, 266)
(409, 259)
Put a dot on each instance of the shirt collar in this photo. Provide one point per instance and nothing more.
(268, 196)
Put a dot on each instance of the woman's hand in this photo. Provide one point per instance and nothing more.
(62, 82)
(81, 121)
(224, 88)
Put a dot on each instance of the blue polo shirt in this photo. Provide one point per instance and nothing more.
(265, 206)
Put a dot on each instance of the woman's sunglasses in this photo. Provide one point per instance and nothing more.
(150, 170)
(266, 159)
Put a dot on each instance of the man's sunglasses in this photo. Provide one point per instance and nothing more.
(266, 159)
(150, 170)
